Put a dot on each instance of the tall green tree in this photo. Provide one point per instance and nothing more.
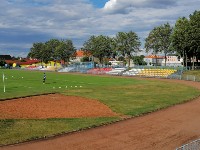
(185, 38)
(152, 42)
(180, 37)
(36, 50)
(51, 48)
(139, 60)
(165, 32)
(126, 44)
(158, 40)
(194, 36)
(99, 47)
(44, 51)
(65, 50)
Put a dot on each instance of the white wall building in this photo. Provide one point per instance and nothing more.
(171, 60)
(151, 60)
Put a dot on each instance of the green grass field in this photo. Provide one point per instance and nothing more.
(127, 96)
(193, 72)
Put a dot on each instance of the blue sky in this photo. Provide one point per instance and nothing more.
(98, 3)
(24, 22)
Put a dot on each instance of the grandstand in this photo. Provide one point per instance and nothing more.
(82, 67)
(99, 70)
(156, 72)
(66, 69)
(116, 71)
(151, 72)
(162, 72)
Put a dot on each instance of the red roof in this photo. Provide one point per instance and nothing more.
(27, 62)
(81, 53)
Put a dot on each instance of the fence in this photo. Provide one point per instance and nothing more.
(194, 145)
(195, 68)
(184, 77)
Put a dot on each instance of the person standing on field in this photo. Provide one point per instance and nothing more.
(44, 78)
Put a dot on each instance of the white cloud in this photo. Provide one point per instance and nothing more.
(126, 6)
(110, 4)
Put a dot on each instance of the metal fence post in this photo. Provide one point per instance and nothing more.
(194, 145)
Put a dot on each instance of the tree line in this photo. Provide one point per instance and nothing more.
(53, 49)
(183, 40)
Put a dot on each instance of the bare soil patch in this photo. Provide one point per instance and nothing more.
(53, 106)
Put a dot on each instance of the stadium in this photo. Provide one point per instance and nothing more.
(109, 95)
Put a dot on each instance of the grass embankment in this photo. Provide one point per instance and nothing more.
(192, 72)
(17, 130)
(193, 75)
(126, 96)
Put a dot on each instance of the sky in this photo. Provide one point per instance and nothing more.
(24, 22)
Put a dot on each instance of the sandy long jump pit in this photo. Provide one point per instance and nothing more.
(53, 106)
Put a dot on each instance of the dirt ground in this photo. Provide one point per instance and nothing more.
(53, 106)
(162, 130)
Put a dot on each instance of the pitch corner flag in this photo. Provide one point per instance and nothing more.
(4, 87)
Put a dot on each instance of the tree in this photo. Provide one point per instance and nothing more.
(65, 50)
(85, 59)
(194, 36)
(185, 38)
(41, 51)
(53, 50)
(99, 47)
(158, 40)
(36, 50)
(179, 38)
(2, 62)
(165, 32)
(139, 60)
(50, 48)
(46, 54)
(152, 42)
(127, 43)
